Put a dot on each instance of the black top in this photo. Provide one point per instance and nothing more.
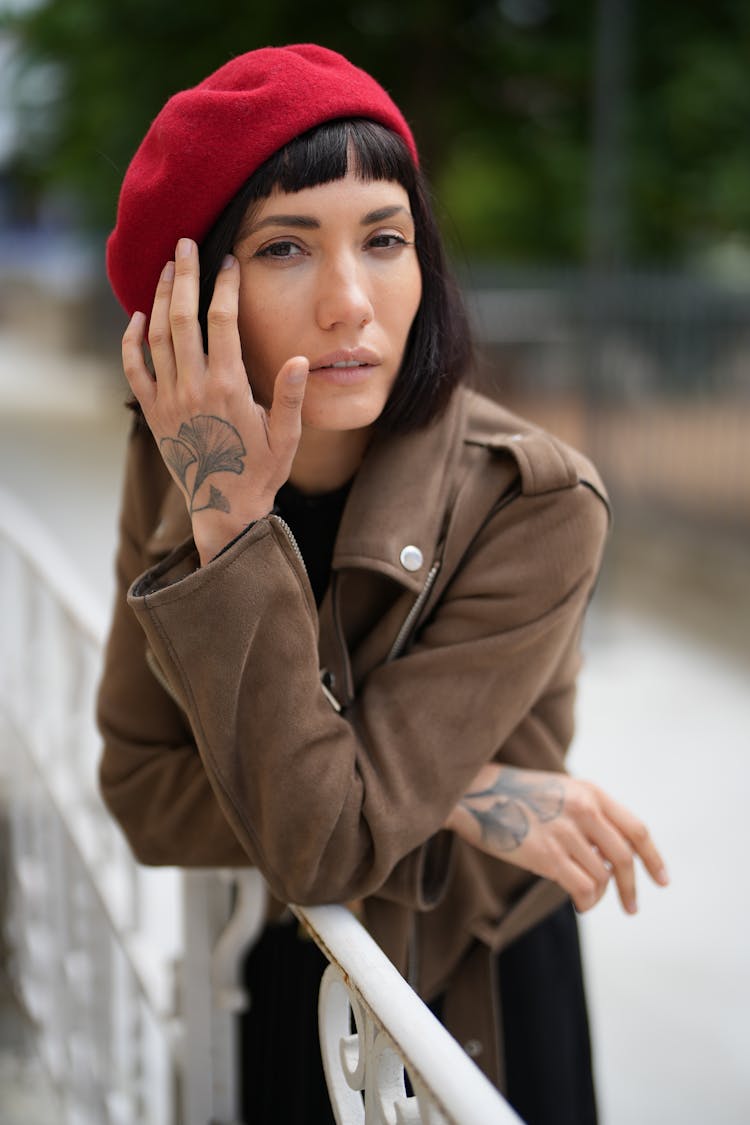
(314, 521)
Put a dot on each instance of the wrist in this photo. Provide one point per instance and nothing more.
(214, 538)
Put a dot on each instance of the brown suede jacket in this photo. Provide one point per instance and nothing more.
(244, 726)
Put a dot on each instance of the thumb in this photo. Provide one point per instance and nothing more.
(285, 417)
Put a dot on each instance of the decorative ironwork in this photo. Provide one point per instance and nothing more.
(133, 975)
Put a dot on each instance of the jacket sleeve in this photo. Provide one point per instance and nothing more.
(151, 775)
(328, 805)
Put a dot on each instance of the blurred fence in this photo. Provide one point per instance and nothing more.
(132, 976)
(649, 375)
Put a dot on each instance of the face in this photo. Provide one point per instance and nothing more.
(331, 273)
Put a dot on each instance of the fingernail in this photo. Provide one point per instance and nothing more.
(167, 274)
(184, 248)
(662, 876)
(137, 319)
(228, 262)
(631, 906)
(297, 373)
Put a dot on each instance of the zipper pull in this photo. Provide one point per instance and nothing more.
(326, 682)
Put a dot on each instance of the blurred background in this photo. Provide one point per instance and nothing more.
(591, 168)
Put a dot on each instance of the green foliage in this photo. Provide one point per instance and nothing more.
(498, 93)
(690, 164)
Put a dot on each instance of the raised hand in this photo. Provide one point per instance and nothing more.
(228, 454)
(567, 830)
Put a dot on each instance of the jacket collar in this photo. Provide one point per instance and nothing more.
(399, 499)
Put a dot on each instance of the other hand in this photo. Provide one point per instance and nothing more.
(567, 830)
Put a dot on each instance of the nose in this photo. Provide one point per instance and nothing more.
(343, 297)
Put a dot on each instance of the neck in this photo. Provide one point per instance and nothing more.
(325, 459)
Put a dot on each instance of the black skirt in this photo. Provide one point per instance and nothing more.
(546, 1032)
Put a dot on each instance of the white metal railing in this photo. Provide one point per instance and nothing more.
(133, 975)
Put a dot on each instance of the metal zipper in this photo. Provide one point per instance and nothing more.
(290, 536)
(406, 628)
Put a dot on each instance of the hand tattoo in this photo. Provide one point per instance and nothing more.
(214, 446)
(505, 824)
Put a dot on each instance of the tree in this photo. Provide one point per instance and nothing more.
(499, 93)
(489, 96)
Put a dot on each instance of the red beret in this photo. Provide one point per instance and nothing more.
(208, 140)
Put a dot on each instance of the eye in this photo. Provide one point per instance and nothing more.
(281, 249)
(387, 241)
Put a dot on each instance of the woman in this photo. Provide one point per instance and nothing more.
(355, 589)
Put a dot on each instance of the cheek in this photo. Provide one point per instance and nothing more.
(261, 326)
(408, 286)
(402, 299)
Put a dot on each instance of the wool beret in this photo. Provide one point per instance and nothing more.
(208, 140)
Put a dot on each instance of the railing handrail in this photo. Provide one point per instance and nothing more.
(395, 1029)
(45, 557)
(435, 1058)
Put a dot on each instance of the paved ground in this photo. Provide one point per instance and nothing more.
(663, 722)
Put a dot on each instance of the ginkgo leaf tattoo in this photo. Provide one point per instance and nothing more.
(211, 444)
(505, 822)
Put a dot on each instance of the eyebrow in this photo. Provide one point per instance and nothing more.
(307, 222)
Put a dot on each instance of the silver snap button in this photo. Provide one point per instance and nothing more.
(411, 558)
(473, 1048)
(517, 437)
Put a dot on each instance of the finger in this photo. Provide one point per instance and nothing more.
(638, 837)
(285, 418)
(183, 312)
(613, 849)
(159, 331)
(591, 861)
(140, 379)
(575, 881)
(224, 346)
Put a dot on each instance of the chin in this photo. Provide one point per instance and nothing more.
(341, 416)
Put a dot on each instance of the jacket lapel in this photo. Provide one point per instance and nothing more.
(399, 499)
(393, 520)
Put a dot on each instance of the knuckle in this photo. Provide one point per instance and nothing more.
(584, 893)
(157, 336)
(551, 856)
(187, 400)
(601, 882)
(640, 834)
(621, 858)
(221, 316)
(130, 366)
(181, 318)
(222, 386)
(580, 803)
(289, 401)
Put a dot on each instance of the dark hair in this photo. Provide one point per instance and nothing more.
(439, 348)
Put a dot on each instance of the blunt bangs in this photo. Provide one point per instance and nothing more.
(439, 349)
(323, 155)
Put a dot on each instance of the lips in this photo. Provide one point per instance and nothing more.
(346, 359)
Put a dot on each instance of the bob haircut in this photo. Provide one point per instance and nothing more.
(439, 349)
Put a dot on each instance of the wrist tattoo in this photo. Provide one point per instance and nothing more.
(211, 444)
(506, 822)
